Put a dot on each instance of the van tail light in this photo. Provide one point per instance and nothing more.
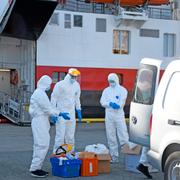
(150, 124)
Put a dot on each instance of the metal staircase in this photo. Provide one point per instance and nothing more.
(15, 108)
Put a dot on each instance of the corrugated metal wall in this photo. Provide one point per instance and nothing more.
(19, 55)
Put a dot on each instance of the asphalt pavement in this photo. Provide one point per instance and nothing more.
(16, 153)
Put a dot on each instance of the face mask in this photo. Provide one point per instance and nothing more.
(48, 88)
(72, 81)
(112, 84)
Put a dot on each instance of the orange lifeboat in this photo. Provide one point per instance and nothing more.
(133, 2)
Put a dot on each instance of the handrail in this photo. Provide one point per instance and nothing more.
(101, 8)
(16, 110)
(160, 13)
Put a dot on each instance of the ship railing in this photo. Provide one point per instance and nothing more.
(160, 13)
(101, 8)
(82, 6)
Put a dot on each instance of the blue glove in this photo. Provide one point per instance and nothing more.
(65, 115)
(53, 119)
(114, 105)
(79, 114)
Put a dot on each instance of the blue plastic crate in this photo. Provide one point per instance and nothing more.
(69, 168)
(131, 162)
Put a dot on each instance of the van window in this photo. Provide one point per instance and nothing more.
(172, 95)
(145, 85)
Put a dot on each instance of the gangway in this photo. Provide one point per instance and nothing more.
(15, 108)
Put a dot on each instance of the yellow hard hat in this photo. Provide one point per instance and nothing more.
(63, 149)
(74, 72)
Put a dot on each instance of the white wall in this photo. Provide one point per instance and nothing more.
(84, 47)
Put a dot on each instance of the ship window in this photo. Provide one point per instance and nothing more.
(120, 76)
(78, 21)
(67, 20)
(54, 19)
(121, 42)
(55, 77)
(169, 45)
(154, 33)
(62, 75)
(100, 25)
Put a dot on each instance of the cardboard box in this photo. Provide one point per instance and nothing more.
(127, 150)
(103, 163)
(86, 155)
(131, 157)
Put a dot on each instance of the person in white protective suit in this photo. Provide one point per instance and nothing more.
(113, 100)
(40, 110)
(144, 90)
(144, 164)
(66, 98)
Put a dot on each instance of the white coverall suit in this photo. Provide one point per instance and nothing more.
(144, 159)
(144, 85)
(114, 118)
(40, 109)
(66, 98)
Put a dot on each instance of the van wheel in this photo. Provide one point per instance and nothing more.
(172, 167)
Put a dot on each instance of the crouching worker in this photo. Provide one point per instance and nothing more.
(40, 110)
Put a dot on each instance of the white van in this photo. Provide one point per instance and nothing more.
(155, 115)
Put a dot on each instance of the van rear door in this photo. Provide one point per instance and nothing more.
(143, 98)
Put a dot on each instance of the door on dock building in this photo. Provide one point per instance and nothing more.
(5, 81)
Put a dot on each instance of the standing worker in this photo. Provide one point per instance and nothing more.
(66, 98)
(144, 94)
(40, 110)
(113, 100)
(144, 165)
